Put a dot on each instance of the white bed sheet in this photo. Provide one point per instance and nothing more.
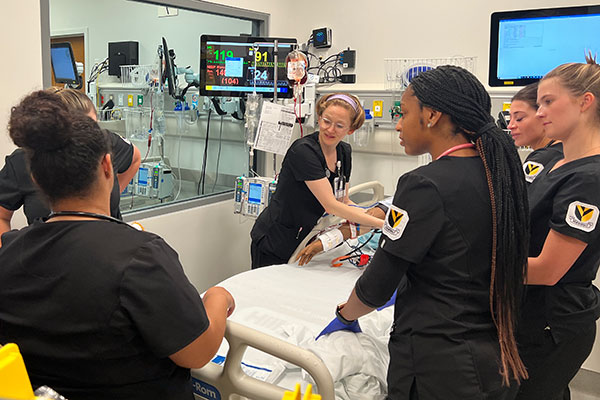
(294, 304)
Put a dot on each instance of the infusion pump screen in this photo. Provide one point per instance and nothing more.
(235, 68)
(255, 193)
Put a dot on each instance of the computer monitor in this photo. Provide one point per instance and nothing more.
(170, 75)
(527, 44)
(227, 66)
(63, 63)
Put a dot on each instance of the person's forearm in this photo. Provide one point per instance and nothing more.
(4, 227)
(354, 308)
(216, 310)
(558, 255)
(354, 214)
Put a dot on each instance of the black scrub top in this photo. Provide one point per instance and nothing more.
(438, 232)
(566, 200)
(293, 210)
(98, 324)
(538, 159)
(17, 189)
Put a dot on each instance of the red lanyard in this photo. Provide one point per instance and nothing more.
(456, 148)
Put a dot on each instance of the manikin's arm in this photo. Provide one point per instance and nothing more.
(314, 248)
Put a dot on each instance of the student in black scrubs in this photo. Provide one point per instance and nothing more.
(17, 189)
(558, 325)
(528, 130)
(98, 309)
(458, 231)
(314, 179)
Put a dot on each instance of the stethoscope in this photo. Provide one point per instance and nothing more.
(83, 214)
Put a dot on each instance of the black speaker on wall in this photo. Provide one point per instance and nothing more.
(121, 53)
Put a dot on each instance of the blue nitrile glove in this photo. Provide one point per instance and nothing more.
(337, 325)
(390, 302)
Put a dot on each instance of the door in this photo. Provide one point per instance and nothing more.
(77, 44)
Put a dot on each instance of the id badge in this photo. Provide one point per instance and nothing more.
(339, 188)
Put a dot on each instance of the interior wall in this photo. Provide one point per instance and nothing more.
(396, 29)
(139, 22)
(204, 236)
(25, 74)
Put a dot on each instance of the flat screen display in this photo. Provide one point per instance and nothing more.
(63, 63)
(254, 193)
(234, 66)
(525, 45)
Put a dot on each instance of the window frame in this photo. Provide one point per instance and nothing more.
(260, 27)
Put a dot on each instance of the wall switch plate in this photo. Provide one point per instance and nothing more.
(378, 108)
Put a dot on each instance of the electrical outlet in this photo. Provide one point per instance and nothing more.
(130, 100)
(120, 101)
(378, 108)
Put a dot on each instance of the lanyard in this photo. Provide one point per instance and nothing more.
(83, 214)
(456, 148)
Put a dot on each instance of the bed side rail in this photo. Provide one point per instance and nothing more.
(229, 379)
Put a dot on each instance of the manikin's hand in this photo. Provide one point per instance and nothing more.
(307, 253)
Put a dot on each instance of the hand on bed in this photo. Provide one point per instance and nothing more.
(307, 253)
(337, 325)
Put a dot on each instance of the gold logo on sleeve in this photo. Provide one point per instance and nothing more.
(394, 219)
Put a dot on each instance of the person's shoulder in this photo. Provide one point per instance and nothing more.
(115, 138)
(16, 157)
(346, 148)
(308, 140)
(423, 175)
(308, 144)
(440, 169)
(546, 155)
(587, 169)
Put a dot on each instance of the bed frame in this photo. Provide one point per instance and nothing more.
(233, 383)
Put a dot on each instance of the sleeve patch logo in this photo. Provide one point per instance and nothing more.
(532, 170)
(396, 220)
(582, 216)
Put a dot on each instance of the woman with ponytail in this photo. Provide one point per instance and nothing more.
(558, 325)
(458, 231)
(98, 309)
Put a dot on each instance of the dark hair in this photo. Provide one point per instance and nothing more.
(456, 92)
(63, 147)
(528, 95)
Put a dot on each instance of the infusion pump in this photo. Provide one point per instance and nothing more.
(252, 195)
(153, 180)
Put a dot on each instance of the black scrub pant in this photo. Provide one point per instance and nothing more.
(261, 258)
(552, 366)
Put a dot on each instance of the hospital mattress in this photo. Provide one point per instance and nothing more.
(294, 304)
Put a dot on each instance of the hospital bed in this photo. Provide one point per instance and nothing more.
(270, 338)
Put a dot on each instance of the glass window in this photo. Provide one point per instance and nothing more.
(187, 149)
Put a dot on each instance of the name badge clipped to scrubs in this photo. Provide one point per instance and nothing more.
(339, 183)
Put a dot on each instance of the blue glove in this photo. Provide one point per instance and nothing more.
(337, 325)
(390, 302)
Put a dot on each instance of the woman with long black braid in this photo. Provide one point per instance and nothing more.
(458, 230)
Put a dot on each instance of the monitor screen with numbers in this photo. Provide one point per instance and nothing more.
(233, 66)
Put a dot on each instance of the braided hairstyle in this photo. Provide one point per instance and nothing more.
(456, 92)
